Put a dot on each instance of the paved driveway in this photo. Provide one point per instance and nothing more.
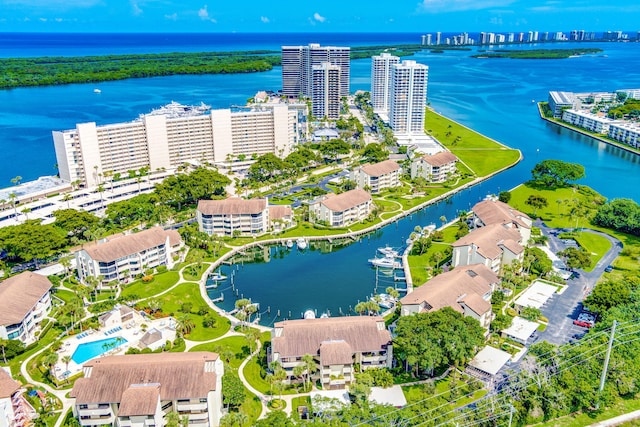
(563, 309)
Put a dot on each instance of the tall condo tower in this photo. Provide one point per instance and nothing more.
(325, 93)
(381, 80)
(298, 63)
(408, 97)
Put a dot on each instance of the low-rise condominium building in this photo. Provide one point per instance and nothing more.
(466, 289)
(378, 176)
(559, 101)
(15, 411)
(339, 210)
(434, 168)
(25, 300)
(139, 390)
(172, 136)
(626, 133)
(493, 211)
(119, 256)
(587, 120)
(336, 343)
(493, 246)
(236, 216)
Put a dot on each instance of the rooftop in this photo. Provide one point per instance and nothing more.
(490, 360)
(232, 206)
(347, 200)
(8, 385)
(496, 212)
(118, 246)
(381, 168)
(19, 294)
(440, 159)
(521, 328)
(489, 239)
(537, 294)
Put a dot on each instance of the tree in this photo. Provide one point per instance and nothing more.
(536, 202)
(275, 419)
(375, 153)
(10, 349)
(16, 180)
(185, 324)
(576, 258)
(310, 367)
(31, 240)
(332, 149)
(619, 214)
(504, 196)
(233, 393)
(556, 173)
(539, 262)
(530, 313)
(607, 295)
(172, 419)
(66, 360)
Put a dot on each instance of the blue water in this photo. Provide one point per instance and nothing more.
(90, 350)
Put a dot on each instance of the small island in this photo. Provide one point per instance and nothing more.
(537, 53)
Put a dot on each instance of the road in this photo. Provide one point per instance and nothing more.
(563, 309)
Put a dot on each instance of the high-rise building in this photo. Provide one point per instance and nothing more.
(428, 39)
(325, 91)
(438, 37)
(381, 80)
(511, 38)
(298, 63)
(408, 97)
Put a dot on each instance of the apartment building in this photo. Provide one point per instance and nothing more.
(171, 136)
(339, 210)
(381, 67)
(493, 211)
(15, 410)
(493, 246)
(434, 168)
(408, 93)
(139, 390)
(25, 300)
(233, 216)
(378, 176)
(119, 257)
(626, 133)
(466, 289)
(559, 101)
(587, 120)
(325, 91)
(298, 63)
(336, 343)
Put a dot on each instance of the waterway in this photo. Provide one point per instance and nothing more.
(491, 96)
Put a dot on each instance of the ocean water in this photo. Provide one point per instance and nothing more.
(492, 96)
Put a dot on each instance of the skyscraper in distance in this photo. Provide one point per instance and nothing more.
(408, 96)
(381, 81)
(325, 96)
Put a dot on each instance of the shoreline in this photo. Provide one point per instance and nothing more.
(587, 133)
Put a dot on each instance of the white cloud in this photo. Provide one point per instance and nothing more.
(43, 19)
(319, 17)
(264, 19)
(431, 6)
(203, 13)
(172, 17)
(136, 9)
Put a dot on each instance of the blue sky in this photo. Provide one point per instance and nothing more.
(316, 15)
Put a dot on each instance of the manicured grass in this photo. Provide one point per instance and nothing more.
(478, 152)
(581, 419)
(237, 344)
(187, 273)
(251, 407)
(160, 283)
(595, 244)
(299, 401)
(171, 303)
(64, 295)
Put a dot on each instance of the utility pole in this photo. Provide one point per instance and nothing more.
(608, 355)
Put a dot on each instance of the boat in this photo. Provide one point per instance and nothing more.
(289, 243)
(388, 261)
(211, 285)
(388, 250)
(324, 316)
(309, 314)
(301, 243)
(97, 90)
(217, 277)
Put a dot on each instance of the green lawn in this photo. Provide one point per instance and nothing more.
(190, 292)
(237, 344)
(64, 295)
(188, 272)
(160, 283)
(595, 244)
(480, 153)
(581, 419)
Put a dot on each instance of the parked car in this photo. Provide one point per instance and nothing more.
(582, 323)
(608, 268)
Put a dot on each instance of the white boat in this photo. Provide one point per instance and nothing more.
(309, 314)
(388, 250)
(97, 90)
(289, 243)
(302, 243)
(324, 315)
(388, 261)
(217, 277)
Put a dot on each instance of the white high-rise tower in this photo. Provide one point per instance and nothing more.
(408, 95)
(298, 63)
(381, 81)
(325, 92)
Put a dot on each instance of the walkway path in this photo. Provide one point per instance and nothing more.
(617, 420)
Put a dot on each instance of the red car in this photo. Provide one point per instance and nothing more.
(583, 323)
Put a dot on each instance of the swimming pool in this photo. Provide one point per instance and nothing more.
(89, 350)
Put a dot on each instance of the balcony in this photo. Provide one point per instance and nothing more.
(191, 407)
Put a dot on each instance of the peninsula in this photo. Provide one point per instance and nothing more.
(536, 53)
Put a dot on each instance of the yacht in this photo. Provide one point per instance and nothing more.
(302, 243)
(309, 314)
(389, 261)
(217, 277)
(289, 243)
(97, 90)
(388, 250)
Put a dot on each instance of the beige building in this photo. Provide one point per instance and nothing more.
(434, 168)
(377, 176)
(119, 256)
(140, 390)
(25, 300)
(171, 136)
(490, 212)
(339, 210)
(466, 289)
(234, 215)
(493, 246)
(15, 411)
(336, 344)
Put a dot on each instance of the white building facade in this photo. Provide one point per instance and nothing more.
(325, 92)
(378, 176)
(589, 121)
(408, 97)
(381, 67)
(434, 168)
(626, 133)
(298, 63)
(342, 209)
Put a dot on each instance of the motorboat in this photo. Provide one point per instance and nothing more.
(289, 243)
(388, 250)
(309, 314)
(324, 316)
(388, 261)
(97, 90)
(301, 243)
(217, 277)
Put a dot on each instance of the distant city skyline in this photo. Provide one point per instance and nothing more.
(329, 16)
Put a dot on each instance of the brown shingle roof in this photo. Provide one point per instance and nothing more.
(19, 294)
(347, 200)
(304, 336)
(150, 337)
(477, 304)
(335, 353)
(8, 385)
(130, 244)
(232, 206)
(279, 211)
(440, 159)
(180, 375)
(489, 239)
(497, 212)
(139, 399)
(450, 288)
(381, 168)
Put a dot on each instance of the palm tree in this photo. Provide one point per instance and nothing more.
(13, 197)
(67, 198)
(100, 190)
(310, 366)
(16, 180)
(66, 360)
(26, 211)
(185, 324)
(252, 336)
(65, 261)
